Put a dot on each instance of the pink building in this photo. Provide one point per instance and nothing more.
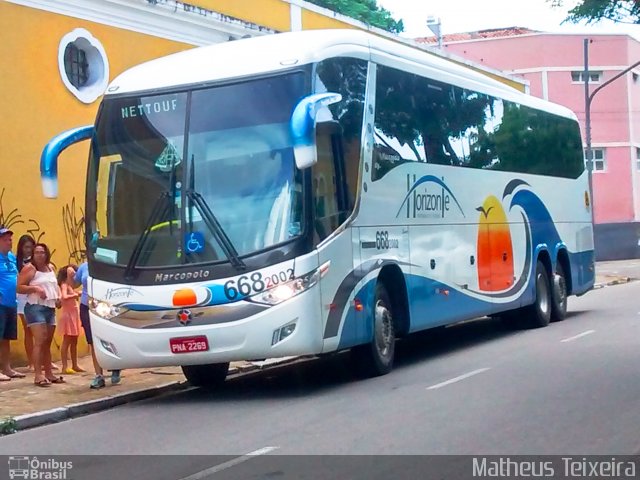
(554, 66)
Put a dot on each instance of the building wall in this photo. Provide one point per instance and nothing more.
(37, 106)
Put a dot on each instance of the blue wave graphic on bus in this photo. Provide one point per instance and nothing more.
(539, 228)
(543, 229)
(429, 202)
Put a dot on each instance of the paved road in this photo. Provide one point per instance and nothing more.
(477, 388)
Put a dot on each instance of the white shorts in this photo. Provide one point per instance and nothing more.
(22, 300)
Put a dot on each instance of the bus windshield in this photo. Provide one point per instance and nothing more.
(200, 176)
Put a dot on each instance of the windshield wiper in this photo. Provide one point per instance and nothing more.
(156, 214)
(212, 222)
(216, 230)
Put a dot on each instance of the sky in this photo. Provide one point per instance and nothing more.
(458, 16)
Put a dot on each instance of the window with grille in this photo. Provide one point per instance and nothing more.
(76, 65)
(83, 65)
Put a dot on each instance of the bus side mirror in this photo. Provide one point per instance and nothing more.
(303, 127)
(50, 154)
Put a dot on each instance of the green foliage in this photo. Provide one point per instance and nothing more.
(8, 426)
(366, 11)
(592, 11)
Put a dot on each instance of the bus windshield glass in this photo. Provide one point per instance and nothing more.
(200, 176)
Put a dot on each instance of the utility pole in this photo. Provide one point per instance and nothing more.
(588, 99)
(587, 124)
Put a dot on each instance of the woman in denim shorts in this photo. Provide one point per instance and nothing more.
(38, 281)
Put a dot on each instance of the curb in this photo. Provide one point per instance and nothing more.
(614, 281)
(37, 419)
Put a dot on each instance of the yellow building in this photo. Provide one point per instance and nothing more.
(58, 57)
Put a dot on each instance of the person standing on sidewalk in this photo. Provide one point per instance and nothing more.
(38, 281)
(23, 257)
(8, 304)
(81, 278)
(69, 320)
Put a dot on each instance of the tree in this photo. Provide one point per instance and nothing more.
(592, 11)
(366, 11)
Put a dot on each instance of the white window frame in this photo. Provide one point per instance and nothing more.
(580, 74)
(600, 156)
(98, 65)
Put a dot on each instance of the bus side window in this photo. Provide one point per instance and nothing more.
(331, 205)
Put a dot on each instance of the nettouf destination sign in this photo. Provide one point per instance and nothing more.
(149, 108)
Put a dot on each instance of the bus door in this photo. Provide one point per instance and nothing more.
(331, 207)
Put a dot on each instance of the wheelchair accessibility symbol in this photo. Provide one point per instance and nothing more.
(194, 242)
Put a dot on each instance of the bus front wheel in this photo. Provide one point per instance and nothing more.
(376, 358)
(207, 376)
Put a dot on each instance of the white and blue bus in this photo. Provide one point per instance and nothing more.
(312, 192)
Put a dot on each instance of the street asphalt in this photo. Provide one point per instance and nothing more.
(608, 274)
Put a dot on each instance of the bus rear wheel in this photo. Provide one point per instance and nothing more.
(539, 314)
(559, 301)
(206, 376)
(376, 358)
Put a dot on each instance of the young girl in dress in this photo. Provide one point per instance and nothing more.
(69, 323)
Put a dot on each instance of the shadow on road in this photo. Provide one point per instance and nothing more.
(318, 374)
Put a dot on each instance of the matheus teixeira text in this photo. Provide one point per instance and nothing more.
(569, 467)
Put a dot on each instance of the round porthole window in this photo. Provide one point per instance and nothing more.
(83, 65)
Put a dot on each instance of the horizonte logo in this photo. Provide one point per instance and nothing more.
(428, 196)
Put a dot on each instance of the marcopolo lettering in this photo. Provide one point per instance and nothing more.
(178, 276)
(161, 106)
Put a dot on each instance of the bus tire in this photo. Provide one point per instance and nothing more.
(206, 376)
(376, 358)
(539, 314)
(559, 295)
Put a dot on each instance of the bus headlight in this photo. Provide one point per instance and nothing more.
(104, 309)
(290, 289)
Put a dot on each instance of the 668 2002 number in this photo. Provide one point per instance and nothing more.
(256, 282)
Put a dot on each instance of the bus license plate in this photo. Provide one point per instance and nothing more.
(189, 344)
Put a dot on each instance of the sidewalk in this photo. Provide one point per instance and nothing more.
(30, 406)
(616, 272)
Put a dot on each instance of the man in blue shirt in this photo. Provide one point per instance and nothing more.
(8, 304)
(82, 275)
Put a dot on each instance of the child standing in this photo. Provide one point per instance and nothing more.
(69, 324)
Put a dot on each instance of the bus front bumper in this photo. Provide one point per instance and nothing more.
(289, 329)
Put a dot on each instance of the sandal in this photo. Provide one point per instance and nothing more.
(15, 374)
(42, 383)
(56, 380)
(4, 378)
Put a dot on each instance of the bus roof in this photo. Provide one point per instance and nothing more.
(283, 51)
